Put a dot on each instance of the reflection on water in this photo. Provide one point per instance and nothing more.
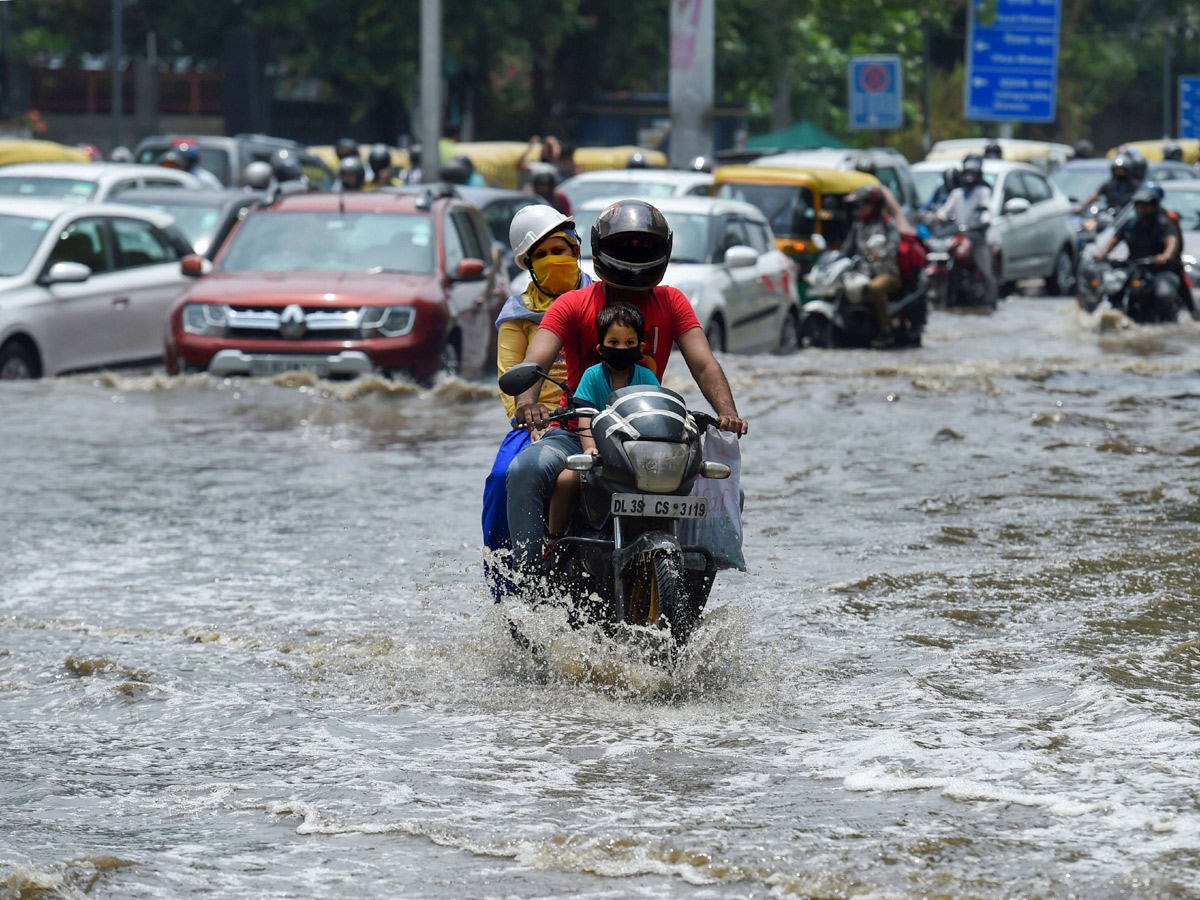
(245, 647)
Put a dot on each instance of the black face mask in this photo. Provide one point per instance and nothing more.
(620, 358)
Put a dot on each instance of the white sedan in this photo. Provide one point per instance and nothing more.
(650, 185)
(725, 261)
(1030, 224)
(88, 182)
(84, 286)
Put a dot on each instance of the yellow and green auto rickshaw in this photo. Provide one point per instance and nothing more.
(805, 206)
(22, 151)
(1189, 149)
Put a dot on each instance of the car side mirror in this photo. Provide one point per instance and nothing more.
(520, 378)
(67, 273)
(1016, 205)
(194, 266)
(470, 270)
(740, 256)
(818, 242)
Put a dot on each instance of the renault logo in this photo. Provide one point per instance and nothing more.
(292, 324)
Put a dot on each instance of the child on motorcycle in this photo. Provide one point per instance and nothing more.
(621, 329)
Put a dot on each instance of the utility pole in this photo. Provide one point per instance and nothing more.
(926, 128)
(690, 81)
(431, 88)
(1166, 82)
(117, 41)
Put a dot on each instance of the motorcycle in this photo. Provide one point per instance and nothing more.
(1129, 287)
(836, 316)
(620, 559)
(1090, 223)
(954, 279)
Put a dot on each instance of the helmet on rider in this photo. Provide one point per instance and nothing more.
(380, 158)
(1120, 166)
(1157, 188)
(285, 165)
(544, 180)
(1145, 203)
(865, 166)
(1137, 164)
(257, 175)
(972, 170)
(993, 150)
(701, 164)
(189, 151)
(868, 202)
(631, 245)
(172, 159)
(454, 171)
(346, 147)
(121, 154)
(1084, 149)
(950, 178)
(533, 224)
(637, 160)
(351, 173)
(1172, 151)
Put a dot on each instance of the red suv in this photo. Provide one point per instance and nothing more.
(343, 284)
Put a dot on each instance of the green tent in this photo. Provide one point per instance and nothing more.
(804, 135)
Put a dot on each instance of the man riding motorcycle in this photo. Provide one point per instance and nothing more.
(631, 246)
(1151, 234)
(970, 205)
(876, 239)
(1118, 190)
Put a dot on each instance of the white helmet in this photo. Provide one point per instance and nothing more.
(530, 225)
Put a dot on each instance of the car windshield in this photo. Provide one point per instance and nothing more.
(927, 183)
(19, 239)
(582, 191)
(1080, 183)
(331, 241)
(788, 207)
(198, 223)
(1187, 205)
(214, 159)
(75, 189)
(690, 244)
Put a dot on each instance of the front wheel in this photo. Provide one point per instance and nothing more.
(715, 332)
(450, 362)
(789, 336)
(656, 596)
(1062, 280)
(17, 362)
(817, 331)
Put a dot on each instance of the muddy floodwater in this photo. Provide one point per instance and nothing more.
(245, 648)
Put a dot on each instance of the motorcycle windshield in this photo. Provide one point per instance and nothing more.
(645, 412)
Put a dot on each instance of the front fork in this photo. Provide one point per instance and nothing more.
(641, 549)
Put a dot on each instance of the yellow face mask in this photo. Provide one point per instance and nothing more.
(556, 274)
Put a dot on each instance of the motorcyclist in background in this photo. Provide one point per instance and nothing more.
(545, 185)
(1172, 151)
(993, 150)
(288, 174)
(1119, 189)
(876, 239)
(949, 183)
(1185, 289)
(1151, 235)
(970, 205)
(352, 175)
(380, 160)
(345, 147)
(191, 163)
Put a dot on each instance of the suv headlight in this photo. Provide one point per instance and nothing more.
(206, 319)
(658, 465)
(387, 321)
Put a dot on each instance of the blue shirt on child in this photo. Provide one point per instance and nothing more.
(596, 384)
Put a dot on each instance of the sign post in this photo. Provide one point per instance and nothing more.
(1012, 60)
(876, 92)
(1189, 106)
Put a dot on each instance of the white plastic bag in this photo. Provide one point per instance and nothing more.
(720, 531)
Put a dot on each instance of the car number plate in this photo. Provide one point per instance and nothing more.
(659, 507)
(279, 365)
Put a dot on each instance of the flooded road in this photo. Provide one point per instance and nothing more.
(245, 648)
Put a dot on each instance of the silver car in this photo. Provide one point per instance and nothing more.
(87, 182)
(650, 185)
(84, 286)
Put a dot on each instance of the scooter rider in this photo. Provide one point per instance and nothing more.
(970, 206)
(1150, 234)
(876, 239)
(631, 246)
(1118, 190)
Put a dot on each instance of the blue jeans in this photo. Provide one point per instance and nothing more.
(530, 482)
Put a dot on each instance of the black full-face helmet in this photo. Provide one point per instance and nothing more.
(380, 157)
(1120, 165)
(286, 166)
(352, 173)
(346, 147)
(972, 170)
(631, 245)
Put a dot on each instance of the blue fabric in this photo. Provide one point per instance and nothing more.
(495, 511)
(530, 481)
(596, 384)
(514, 307)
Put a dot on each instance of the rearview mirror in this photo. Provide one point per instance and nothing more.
(818, 242)
(67, 273)
(1016, 205)
(194, 266)
(520, 378)
(740, 256)
(470, 270)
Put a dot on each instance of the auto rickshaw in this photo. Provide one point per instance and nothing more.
(328, 155)
(22, 151)
(805, 206)
(1046, 155)
(1153, 150)
(497, 161)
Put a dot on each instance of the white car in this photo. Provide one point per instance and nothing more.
(745, 290)
(84, 286)
(635, 184)
(1030, 222)
(87, 182)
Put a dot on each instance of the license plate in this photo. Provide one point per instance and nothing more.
(659, 507)
(279, 365)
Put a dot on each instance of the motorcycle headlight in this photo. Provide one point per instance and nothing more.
(206, 319)
(387, 321)
(1114, 281)
(658, 466)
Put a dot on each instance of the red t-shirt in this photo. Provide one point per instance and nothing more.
(572, 317)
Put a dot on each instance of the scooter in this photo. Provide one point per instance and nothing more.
(836, 316)
(621, 560)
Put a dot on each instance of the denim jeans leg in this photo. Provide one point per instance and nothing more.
(530, 481)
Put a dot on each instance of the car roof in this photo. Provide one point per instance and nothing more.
(478, 195)
(706, 206)
(822, 157)
(1018, 149)
(352, 201)
(664, 176)
(188, 198)
(1191, 187)
(40, 208)
(993, 166)
(1095, 163)
(95, 171)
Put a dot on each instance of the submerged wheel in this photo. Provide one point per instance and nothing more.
(17, 361)
(451, 357)
(817, 331)
(1062, 281)
(656, 596)
(789, 336)
(715, 332)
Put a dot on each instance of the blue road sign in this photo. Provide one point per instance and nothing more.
(1012, 60)
(876, 92)
(1189, 106)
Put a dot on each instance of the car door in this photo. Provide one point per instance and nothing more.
(148, 266)
(81, 329)
(761, 325)
(468, 296)
(1018, 230)
(1049, 222)
(739, 287)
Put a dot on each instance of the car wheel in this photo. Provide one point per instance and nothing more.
(1062, 280)
(17, 361)
(789, 336)
(451, 357)
(715, 332)
(817, 331)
